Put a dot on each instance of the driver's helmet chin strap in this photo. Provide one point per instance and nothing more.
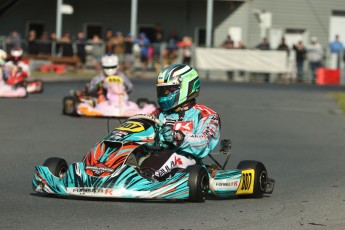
(185, 106)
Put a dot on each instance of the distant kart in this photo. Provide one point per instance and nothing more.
(19, 79)
(112, 169)
(10, 91)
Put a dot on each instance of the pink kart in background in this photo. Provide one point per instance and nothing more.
(116, 104)
(11, 91)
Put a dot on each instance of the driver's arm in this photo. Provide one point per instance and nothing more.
(204, 139)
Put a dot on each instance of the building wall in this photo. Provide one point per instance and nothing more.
(311, 15)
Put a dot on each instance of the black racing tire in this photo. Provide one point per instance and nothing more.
(57, 166)
(260, 179)
(198, 183)
(141, 102)
(70, 106)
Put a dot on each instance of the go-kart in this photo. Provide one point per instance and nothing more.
(91, 107)
(12, 91)
(112, 169)
(18, 78)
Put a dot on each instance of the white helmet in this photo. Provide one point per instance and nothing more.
(109, 64)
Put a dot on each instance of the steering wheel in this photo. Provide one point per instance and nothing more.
(148, 117)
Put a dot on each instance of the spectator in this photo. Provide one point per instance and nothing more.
(157, 45)
(119, 48)
(283, 46)
(337, 47)
(144, 44)
(228, 43)
(53, 42)
(44, 45)
(186, 45)
(170, 53)
(264, 45)
(314, 55)
(109, 47)
(14, 40)
(97, 52)
(240, 45)
(65, 45)
(32, 43)
(129, 41)
(81, 52)
(300, 58)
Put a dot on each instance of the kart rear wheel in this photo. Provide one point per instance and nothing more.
(70, 106)
(198, 183)
(57, 166)
(260, 179)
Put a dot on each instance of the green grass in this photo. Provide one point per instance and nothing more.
(340, 98)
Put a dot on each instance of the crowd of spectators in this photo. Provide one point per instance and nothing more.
(159, 50)
(156, 53)
(314, 54)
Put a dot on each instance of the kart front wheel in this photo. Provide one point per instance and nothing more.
(260, 178)
(198, 183)
(57, 166)
(70, 106)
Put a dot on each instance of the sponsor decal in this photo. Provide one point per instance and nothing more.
(87, 190)
(131, 126)
(186, 126)
(167, 167)
(247, 182)
(114, 79)
(99, 170)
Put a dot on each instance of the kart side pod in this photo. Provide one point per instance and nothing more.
(250, 180)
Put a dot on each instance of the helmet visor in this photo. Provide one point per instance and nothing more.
(166, 90)
(110, 70)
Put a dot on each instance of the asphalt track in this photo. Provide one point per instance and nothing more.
(297, 131)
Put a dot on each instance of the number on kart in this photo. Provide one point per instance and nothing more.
(131, 126)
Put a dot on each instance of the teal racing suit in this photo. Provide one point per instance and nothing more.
(199, 125)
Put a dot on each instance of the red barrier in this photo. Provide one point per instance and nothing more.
(56, 68)
(327, 76)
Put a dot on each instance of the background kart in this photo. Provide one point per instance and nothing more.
(112, 169)
(12, 91)
(19, 78)
(90, 107)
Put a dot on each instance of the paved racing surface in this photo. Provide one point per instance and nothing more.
(296, 131)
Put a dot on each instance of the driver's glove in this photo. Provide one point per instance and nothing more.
(171, 136)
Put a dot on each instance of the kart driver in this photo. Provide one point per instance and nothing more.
(16, 65)
(4, 74)
(110, 85)
(191, 130)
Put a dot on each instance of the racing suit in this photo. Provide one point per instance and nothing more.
(199, 128)
(115, 88)
(19, 67)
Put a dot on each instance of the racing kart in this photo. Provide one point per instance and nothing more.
(91, 107)
(18, 78)
(12, 91)
(112, 169)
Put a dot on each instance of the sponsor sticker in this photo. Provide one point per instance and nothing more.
(247, 182)
(132, 126)
(186, 126)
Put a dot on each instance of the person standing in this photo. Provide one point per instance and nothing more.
(300, 52)
(314, 55)
(81, 52)
(337, 47)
